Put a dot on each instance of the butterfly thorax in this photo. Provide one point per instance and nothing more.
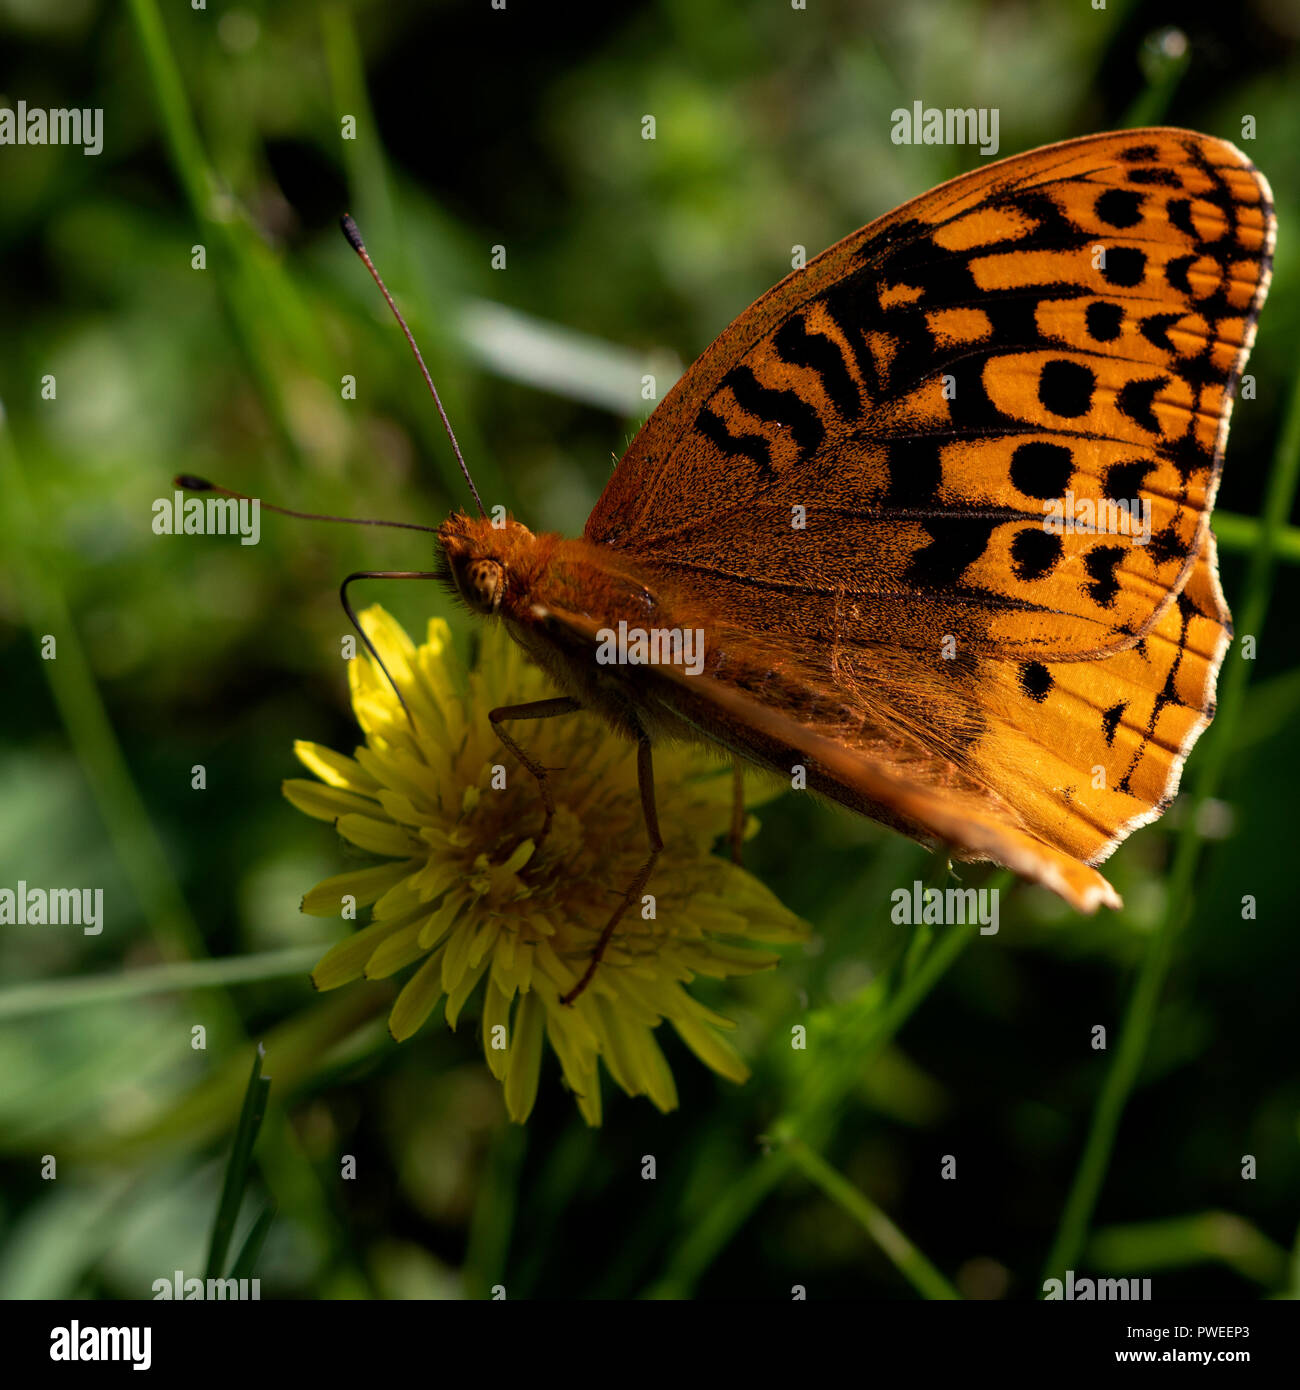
(529, 581)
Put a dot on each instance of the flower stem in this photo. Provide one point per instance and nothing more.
(492, 1223)
(906, 1258)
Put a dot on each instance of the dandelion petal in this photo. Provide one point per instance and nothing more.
(525, 1064)
(415, 1003)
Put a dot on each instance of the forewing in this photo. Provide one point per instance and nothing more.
(867, 454)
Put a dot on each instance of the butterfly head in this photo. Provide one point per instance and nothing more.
(482, 558)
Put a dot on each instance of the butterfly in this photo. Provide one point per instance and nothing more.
(926, 529)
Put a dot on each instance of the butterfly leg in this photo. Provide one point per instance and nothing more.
(533, 709)
(737, 812)
(646, 780)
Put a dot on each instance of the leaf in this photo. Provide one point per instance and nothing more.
(241, 1157)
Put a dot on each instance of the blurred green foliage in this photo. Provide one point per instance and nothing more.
(522, 129)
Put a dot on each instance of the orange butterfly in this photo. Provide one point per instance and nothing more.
(937, 505)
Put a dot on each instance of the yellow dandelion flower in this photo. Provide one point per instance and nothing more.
(466, 892)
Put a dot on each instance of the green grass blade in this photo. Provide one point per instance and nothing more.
(252, 1246)
(1182, 1241)
(255, 290)
(90, 732)
(44, 996)
(906, 1258)
(241, 1158)
(301, 1046)
(1165, 57)
(494, 1212)
(1239, 535)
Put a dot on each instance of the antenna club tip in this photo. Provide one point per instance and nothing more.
(191, 483)
(350, 231)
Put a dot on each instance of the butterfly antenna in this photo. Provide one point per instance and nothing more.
(354, 240)
(193, 484)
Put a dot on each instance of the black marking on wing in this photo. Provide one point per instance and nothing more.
(777, 406)
(751, 446)
(823, 355)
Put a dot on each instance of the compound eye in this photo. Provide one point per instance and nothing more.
(484, 581)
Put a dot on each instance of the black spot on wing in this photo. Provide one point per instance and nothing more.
(1176, 273)
(1110, 720)
(1104, 320)
(1036, 681)
(1125, 266)
(915, 472)
(1119, 207)
(1165, 178)
(1136, 399)
(1167, 545)
(1041, 469)
(1155, 329)
(1034, 552)
(957, 541)
(1065, 388)
(1187, 455)
(1123, 481)
(1179, 213)
(1101, 564)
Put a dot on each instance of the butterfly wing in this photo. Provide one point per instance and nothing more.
(875, 766)
(889, 423)
(855, 476)
(1089, 751)
(954, 762)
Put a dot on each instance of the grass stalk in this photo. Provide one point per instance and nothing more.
(905, 1257)
(85, 991)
